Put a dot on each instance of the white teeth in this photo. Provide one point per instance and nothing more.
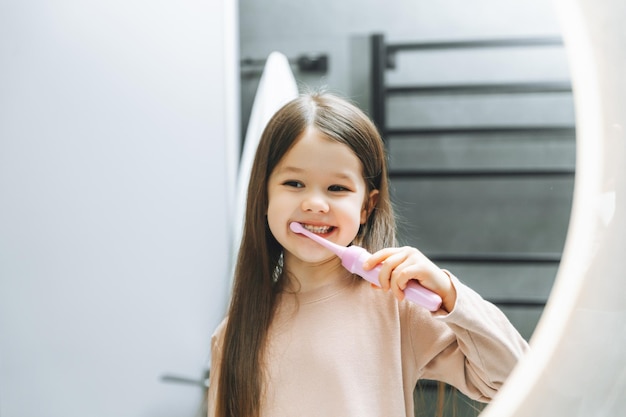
(320, 230)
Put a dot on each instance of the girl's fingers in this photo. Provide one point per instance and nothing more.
(378, 257)
(400, 265)
(397, 292)
(404, 273)
(390, 263)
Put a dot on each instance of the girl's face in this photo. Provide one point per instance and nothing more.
(318, 183)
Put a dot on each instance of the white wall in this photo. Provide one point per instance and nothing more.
(118, 138)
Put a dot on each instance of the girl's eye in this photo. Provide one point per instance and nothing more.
(337, 188)
(293, 183)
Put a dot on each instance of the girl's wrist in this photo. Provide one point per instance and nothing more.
(448, 297)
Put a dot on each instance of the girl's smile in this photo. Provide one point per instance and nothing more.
(318, 230)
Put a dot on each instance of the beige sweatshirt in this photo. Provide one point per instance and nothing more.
(349, 350)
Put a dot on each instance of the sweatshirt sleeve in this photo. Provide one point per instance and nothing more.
(216, 361)
(476, 348)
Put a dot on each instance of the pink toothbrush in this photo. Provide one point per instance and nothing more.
(353, 257)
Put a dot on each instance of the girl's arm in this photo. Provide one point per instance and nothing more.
(469, 343)
(216, 362)
(474, 348)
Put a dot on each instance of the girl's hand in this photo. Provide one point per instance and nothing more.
(400, 265)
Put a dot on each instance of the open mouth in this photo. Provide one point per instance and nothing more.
(318, 230)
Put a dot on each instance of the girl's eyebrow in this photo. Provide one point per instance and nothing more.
(289, 169)
(335, 174)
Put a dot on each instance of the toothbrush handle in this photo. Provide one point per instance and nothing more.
(422, 296)
(353, 261)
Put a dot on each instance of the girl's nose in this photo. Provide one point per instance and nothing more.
(315, 203)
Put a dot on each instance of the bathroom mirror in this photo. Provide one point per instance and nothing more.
(114, 261)
(480, 136)
(441, 22)
(577, 366)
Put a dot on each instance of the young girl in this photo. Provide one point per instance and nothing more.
(303, 336)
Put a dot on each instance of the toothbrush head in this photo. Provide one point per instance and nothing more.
(296, 227)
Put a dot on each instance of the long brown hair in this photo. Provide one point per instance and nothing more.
(256, 288)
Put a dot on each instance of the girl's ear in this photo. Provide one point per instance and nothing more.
(369, 205)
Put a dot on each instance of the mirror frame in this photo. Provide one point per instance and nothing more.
(576, 365)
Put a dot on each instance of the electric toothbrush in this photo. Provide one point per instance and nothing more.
(353, 257)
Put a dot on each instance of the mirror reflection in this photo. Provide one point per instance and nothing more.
(478, 119)
(118, 151)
